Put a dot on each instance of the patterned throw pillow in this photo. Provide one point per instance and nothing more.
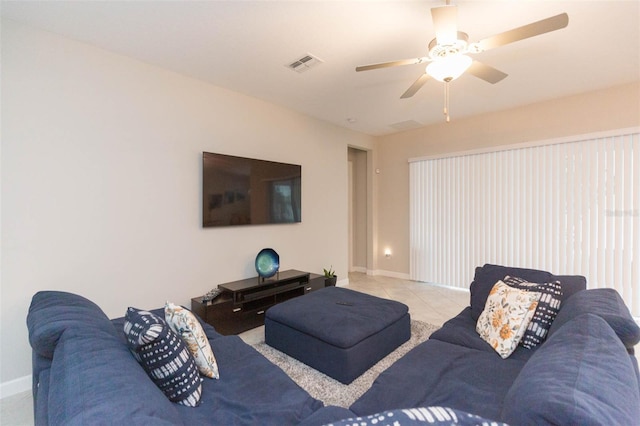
(420, 416)
(164, 357)
(546, 312)
(186, 325)
(506, 316)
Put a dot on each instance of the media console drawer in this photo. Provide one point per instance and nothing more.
(242, 304)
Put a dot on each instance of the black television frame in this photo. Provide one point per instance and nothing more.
(240, 191)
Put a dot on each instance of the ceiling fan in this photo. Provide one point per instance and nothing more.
(448, 53)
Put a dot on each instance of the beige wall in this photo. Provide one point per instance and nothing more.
(101, 184)
(614, 108)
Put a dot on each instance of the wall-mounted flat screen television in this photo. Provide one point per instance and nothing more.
(246, 191)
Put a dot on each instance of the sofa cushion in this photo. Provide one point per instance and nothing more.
(546, 312)
(607, 304)
(487, 275)
(447, 374)
(328, 415)
(164, 356)
(94, 379)
(187, 326)
(505, 318)
(52, 312)
(461, 330)
(254, 392)
(581, 375)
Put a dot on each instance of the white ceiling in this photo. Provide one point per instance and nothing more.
(245, 45)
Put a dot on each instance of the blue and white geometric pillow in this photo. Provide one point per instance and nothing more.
(440, 416)
(546, 312)
(164, 356)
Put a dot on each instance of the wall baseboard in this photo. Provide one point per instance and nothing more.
(392, 274)
(343, 282)
(15, 386)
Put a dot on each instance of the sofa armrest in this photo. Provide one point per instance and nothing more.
(580, 375)
(608, 305)
(52, 312)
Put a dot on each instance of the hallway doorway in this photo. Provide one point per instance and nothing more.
(358, 194)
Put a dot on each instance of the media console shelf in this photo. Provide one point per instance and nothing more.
(242, 304)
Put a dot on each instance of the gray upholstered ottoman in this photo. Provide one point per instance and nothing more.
(337, 331)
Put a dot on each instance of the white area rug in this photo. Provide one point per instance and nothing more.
(331, 391)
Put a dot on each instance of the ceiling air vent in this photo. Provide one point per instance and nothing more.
(303, 64)
(406, 125)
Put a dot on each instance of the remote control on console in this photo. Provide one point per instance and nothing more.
(211, 295)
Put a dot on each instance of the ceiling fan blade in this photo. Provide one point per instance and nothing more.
(445, 22)
(486, 72)
(415, 86)
(531, 30)
(391, 64)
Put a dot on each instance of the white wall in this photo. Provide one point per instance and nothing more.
(101, 183)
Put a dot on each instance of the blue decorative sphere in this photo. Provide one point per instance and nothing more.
(267, 263)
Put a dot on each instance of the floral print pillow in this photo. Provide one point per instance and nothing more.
(186, 325)
(505, 318)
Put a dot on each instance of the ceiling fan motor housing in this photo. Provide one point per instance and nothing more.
(439, 51)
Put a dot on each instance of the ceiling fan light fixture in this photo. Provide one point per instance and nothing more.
(449, 68)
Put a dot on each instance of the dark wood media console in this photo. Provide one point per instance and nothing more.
(242, 304)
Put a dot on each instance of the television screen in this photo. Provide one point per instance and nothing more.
(245, 191)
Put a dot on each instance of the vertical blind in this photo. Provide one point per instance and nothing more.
(569, 208)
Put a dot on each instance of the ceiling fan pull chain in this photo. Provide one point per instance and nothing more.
(446, 101)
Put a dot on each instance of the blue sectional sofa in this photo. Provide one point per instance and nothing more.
(84, 374)
(584, 372)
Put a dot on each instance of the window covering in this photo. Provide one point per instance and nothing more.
(571, 207)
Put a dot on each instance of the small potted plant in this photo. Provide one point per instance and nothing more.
(330, 277)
